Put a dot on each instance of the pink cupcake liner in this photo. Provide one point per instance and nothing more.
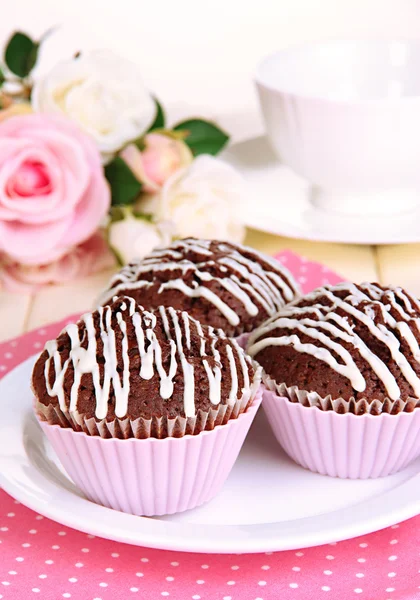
(344, 445)
(242, 340)
(149, 477)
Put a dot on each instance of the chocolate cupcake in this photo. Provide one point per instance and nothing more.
(344, 352)
(224, 285)
(125, 391)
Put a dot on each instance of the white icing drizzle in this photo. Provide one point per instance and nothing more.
(244, 277)
(110, 326)
(327, 327)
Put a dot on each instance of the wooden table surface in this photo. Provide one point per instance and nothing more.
(386, 264)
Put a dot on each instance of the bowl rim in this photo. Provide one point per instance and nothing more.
(262, 82)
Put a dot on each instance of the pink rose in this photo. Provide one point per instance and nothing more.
(161, 157)
(91, 256)
(53, 193)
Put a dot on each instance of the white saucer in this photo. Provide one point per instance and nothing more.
(267, 504)
(278, 202)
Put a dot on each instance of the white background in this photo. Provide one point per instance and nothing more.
(199, 55)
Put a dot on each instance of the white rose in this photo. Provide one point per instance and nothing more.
(103, 93)
(204, 200)
(134, 237)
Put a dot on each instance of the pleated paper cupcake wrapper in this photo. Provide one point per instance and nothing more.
(344, 445)
(339, 405)
(149, 477)
(140, 428)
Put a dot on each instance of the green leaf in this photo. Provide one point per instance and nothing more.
(203, 137)
(159, 121)
(2, 77)
(125, 188)
(21, 54)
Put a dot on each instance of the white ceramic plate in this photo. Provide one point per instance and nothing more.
(267, 504)
(278, 201)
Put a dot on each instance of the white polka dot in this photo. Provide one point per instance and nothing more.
(293, 585)
(361, 560)
(330, 557)
(87, 550)
(36, 590)
(66, 595)
(6, 583)
(390, 590)
(139, 574)
(103, 584)
(227, 597)
(196, 597)
(360, 575)
(33, 531)
(115, 555)
(8, 355)
(394, 526)
(55, 547)
(4, 529)
(229, 582)
(358, 590)
(268, 553)
(12, 572)
(78, 565)
(164, 593)
(144, 560)
(42, 331)
(20, 559)
(37, 345)
(327, 572)
(42, 576)
(265, 567)
(175, 564)
(302, 279)
(393, 542)
(391, 574)
(201, 581)
(109, 570)
(170, 578)
(363, 545)
(393, 557)
(134, 589)
(62, 533)
(50, 562)
(72, 579)
(205, 566)
(10, 514)
(39, 517)
(26, 545)
(325, 588)
(234, 568)
(295, 568)
(90, 536)
(299, 554)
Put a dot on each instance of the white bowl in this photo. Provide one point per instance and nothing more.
(346, 116)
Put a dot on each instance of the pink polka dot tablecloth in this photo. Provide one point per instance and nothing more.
(42, 559)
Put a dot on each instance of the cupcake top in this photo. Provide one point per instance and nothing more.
(345, 341)
(124, 362)
(224, 285)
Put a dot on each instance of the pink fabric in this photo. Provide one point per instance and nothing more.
(42, 559)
